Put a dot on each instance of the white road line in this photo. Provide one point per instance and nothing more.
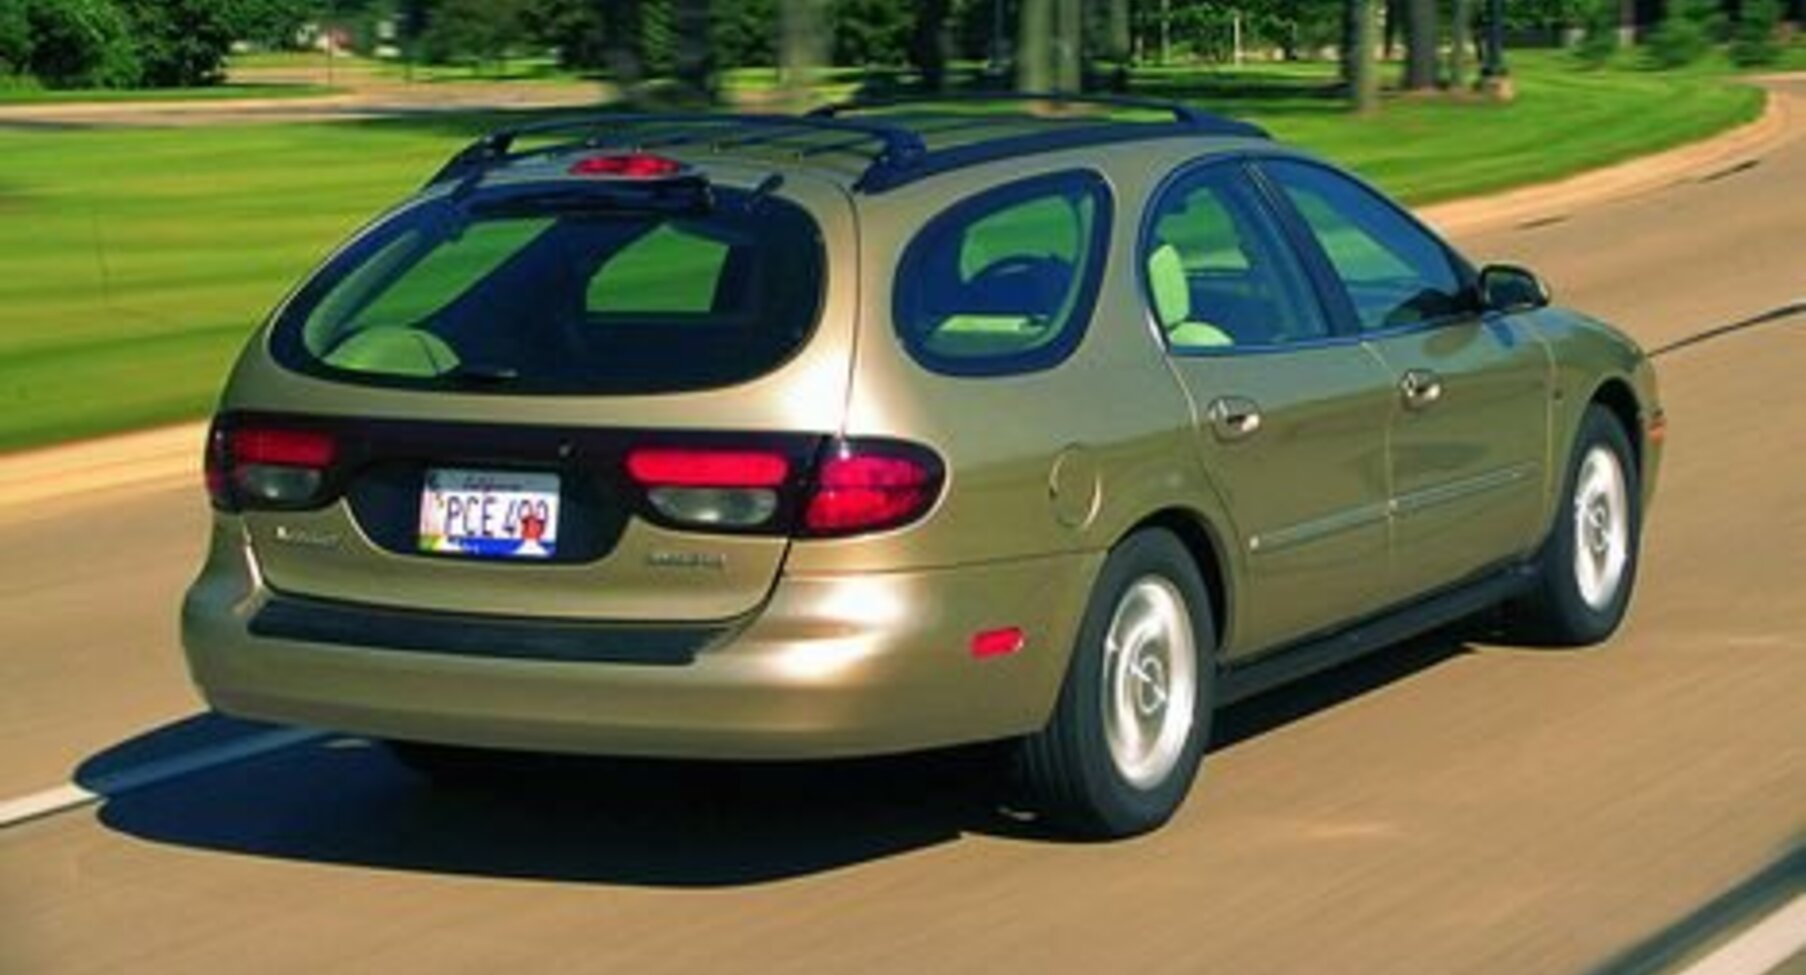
(1762, 948)
(72, 796)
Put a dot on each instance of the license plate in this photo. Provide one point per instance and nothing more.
(489, 514)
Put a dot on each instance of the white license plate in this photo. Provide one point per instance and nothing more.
(489, 514)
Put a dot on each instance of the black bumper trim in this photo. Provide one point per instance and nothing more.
(460, 634)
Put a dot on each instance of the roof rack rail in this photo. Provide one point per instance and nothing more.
(899, 156)
(897, 146)
(1182, 113)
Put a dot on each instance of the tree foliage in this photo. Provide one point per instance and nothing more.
(180, 43)
(81, 44)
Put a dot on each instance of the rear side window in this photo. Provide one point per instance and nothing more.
(1005, 281)
(548, 293)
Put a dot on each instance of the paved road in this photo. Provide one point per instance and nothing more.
(1453, 807)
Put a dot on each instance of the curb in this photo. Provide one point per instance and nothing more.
(1630, 178)
(170, 454)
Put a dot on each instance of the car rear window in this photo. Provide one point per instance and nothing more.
(559, 292)
(1004, 281)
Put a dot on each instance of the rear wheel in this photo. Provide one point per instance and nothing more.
(1589, 564)
(1128, 731)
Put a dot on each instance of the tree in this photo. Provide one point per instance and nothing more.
(1420, 44)
(270, 23)
(1069, 45)
(484, 31)
(181, 43)
(81, 44)
(929, 42)
(1034, 57)
(800, 46)
(694, 65)
(15, 38)
(1116, 49)
(1357, 56)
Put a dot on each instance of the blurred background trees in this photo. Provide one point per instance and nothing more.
(681, 47)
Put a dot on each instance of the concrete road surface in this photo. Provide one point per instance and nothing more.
(1449, 807)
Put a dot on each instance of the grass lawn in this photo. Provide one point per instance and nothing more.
(49, 96)
(136, 261)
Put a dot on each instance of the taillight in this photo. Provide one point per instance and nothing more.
(701, 487)
(870, 485)
(267, 465)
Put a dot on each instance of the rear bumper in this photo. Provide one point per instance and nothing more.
(828, 666)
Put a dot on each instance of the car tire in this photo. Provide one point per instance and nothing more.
(1588, 566)
(1129, 728)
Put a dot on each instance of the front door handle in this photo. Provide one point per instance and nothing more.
(1421, 388)
(1233, 417)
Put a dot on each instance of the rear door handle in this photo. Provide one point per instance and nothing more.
(1233, 417)
(1421, 388)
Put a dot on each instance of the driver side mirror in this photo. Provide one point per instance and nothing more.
(1507, 287)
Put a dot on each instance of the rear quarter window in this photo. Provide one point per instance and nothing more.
(1005, 281)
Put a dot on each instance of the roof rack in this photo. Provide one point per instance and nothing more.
(1182, 113)
(896, 145)
(898, 154)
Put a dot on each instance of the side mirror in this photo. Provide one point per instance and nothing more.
(1507, 287)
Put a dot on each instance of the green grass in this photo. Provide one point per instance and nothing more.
(227, 92)
(136, 261)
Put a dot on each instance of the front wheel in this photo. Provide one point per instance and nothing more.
(1589, 564)
(1120, 752)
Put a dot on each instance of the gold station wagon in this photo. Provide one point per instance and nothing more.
(896, 426)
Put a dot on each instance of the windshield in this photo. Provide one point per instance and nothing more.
(561, 291)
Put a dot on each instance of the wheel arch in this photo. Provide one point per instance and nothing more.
(1204, 543)
(1619, 398)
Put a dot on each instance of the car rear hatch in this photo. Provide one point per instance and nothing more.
(551, 397)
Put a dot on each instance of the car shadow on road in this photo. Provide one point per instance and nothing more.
(658, 824)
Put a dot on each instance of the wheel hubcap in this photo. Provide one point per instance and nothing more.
(1601, 527)
(1150, 681)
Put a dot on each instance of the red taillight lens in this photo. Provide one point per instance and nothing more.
(680, 467)
(864, 486)
(710, 488)
(287, 448)
(633, 165)
(252, 465)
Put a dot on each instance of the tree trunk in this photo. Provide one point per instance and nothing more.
(930, 43)
(1420, 44)
(1119, 44)
(1069, 46)
(1034, 56)
(1458, 36)
(802, 32)
(621, 43)
(1363, 81)
(695, 66)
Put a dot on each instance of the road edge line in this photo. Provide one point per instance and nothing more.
(74, 795)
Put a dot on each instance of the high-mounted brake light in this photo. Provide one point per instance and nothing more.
(633, 165)
(864, 486)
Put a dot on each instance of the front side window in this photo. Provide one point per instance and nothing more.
(556, 293)
(1219, 272)
(1005, 281)
(1395, 273)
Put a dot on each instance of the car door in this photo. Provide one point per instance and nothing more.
(1469, 424)
(1289, 416)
